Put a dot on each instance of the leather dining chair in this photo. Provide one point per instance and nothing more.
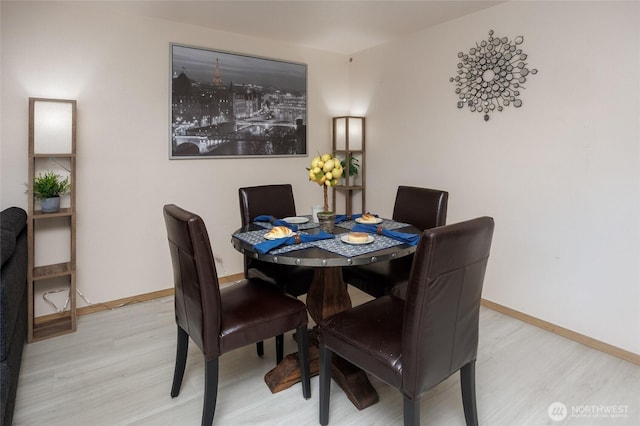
(422, 208)
(219, 320)
(277, 201)
(416, 343)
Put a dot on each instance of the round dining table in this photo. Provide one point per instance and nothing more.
(328, 294)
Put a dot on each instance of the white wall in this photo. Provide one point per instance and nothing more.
(117, 67)
(561, 175)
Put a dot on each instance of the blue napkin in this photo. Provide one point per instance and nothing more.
(265, 246)
(343, 217)
(275, 222)
(411, 239)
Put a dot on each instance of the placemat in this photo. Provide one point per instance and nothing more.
(380, 242)
(301, 226)
(386, 223)
(255, 237)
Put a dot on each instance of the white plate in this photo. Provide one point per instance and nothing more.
(378, 220)
(269, 237)
(345, 239)
(296, 219)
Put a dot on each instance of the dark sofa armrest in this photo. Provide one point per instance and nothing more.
(12, 222)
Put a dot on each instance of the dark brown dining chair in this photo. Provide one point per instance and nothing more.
(277, 201)
(422, 208)
(219, 320)
(416, 343)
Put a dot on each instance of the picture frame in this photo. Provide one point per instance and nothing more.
(232, 105)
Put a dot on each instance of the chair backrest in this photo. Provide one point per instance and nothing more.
(421, 207)
(197, 292)
(440, 325)
(274, 200)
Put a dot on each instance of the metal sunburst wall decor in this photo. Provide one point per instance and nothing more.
(491, 75)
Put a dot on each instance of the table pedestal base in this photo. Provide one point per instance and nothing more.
(327, 296)
(287, 373)
(354, 382)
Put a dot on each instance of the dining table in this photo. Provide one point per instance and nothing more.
(327, 294)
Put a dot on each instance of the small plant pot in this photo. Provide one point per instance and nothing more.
(50, 205)
(327, 221)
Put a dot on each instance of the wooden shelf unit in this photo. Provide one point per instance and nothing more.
(348, 139)
(47, 326)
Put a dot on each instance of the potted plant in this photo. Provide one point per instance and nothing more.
(47, 188)
(325, 170)
(354, 166)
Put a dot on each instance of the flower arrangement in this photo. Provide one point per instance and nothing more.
(325, 170)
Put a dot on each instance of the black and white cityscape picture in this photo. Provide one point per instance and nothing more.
(226, 104)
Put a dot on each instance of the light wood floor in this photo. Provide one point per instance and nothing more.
(117, 370)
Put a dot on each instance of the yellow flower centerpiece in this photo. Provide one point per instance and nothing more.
(326, 171)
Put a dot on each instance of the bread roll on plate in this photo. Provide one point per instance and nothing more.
(278, 232)
(358, 237)
(368, 218)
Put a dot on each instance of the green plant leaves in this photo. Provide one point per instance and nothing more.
(50, 185)
(354, 165)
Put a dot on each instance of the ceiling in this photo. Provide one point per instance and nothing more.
(337, 26)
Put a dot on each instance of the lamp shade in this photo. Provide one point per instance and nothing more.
(348, 133)
(53, 122)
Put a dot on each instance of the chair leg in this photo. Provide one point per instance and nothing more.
(411, 412)
(260, 348)
(181, 360)
(468, 386)
(210, 391)
(303, 360)
(325, 384)
(279, 348)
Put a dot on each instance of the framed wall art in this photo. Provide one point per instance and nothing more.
(226, 105)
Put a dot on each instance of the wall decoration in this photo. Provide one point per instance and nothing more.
(491, 75)
(226, 105)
